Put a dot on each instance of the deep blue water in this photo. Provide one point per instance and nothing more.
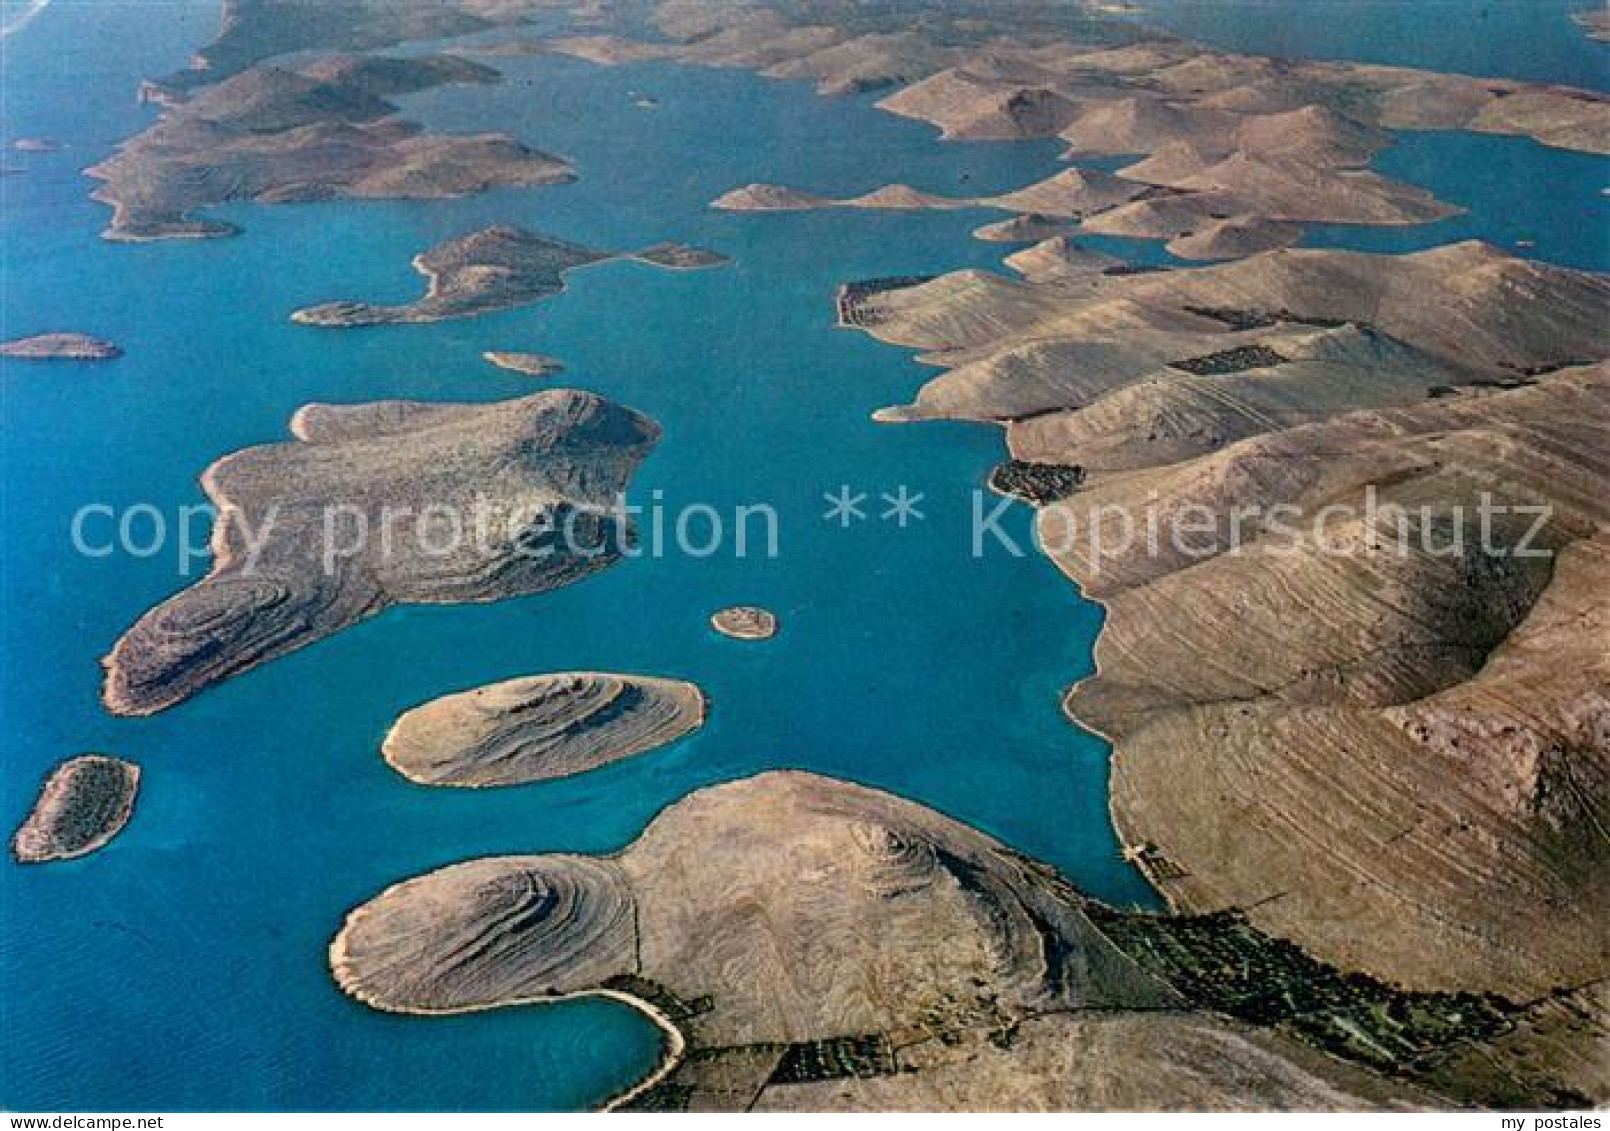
(183, 967)
(1524, 197)
(1521, 39)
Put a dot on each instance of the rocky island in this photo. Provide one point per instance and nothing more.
(85, 802)
(493, 269)
(1595, 22)
(745, 622)
(61, 345)
(679, 256)
(1274, 172)
(1067, 196)
(818, 945)
(1363, 751)
(1235, 148)
(540, 727)
(394, 502)
(531, 364)
(1027, 228)
(251, 31)
(314, 130)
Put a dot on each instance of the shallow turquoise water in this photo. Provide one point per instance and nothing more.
(195, 946)
(184, 966)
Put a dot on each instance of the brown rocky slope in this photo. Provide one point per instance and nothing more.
(1398, 757)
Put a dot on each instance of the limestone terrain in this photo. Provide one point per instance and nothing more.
(1390, 328)
(84, 803)
(844, 48)
(251, 31)
(1066, 196)
(1397, 759)
(540, 727)
(1401, 762)
(1059, 257)
(1023, 229)
(679, 256)
(1237, 137)
(1210, 204)
(309, 130)
(1142, 97)
(492, 269)
(745, 622)
(1235, 149)
(392, 502)
(1372, 785)
(1408, 754)
(985, 71)
(531, 364)
(1595, 22)
(818, 945)
(67, 346)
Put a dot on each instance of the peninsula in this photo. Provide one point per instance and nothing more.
(987, 72)
(394, 502)
(495, 268)
(540, 727)
(818, 945)
(63, 346)
(1060, 257)
(84, 803)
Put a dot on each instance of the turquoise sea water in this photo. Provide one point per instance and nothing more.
(184, 966)
(1534, 40)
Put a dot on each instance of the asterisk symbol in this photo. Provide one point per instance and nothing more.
(844, 506)
(903, 506)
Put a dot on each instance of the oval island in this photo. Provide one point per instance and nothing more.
(540, 727)
(745, 622)
(60, 345)
(531, 364)
(84, 803)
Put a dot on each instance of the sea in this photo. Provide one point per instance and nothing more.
(183, 967)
